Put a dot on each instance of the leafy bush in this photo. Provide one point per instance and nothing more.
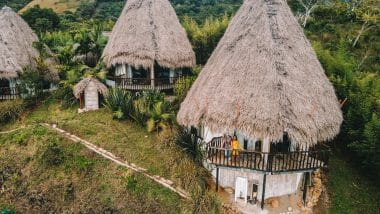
(190, 145)
(144, 104)
(34, 81)
(182, 86)
(11, 110)
(160, 117)
(119, 102)
(65, 94)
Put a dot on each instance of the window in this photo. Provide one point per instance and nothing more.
(283, 146)
(140, 73)
(161, 72)
(4, 87)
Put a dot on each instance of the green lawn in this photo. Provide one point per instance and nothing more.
(94, 178)
(350, 191)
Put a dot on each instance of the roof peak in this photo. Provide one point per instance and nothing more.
(7, 9)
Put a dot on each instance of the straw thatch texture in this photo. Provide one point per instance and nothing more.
(16, 44)
(149, 31)
(263, 79)
(81, 86)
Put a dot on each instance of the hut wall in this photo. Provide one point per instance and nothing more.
(276, 185)
(91, 97)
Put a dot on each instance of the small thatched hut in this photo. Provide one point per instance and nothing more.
(90, 88)
(148, 43)
(16, 49)
(265, 84)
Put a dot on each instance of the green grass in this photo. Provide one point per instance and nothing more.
(54, 162)
(80, 181)
(351, 192)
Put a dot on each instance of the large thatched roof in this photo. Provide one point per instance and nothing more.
(16, 46)
(81, 86)
(264, 79)
(146, 32)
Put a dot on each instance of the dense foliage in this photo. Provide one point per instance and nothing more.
(350, 56)
(41, 19)
(15, 4)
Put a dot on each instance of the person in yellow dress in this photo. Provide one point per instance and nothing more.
(236, 147)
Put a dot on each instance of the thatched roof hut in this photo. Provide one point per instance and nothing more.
(264, 79)
(16, 46)
(83, 84)
(148, 31)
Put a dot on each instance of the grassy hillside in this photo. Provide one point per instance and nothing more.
(41, 171)
(57, 5)
(350, 190)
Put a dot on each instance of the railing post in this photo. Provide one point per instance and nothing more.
(305, 188)
(217, 180)
(263, 192)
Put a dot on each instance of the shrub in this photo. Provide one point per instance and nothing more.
(64, 93)
(160, 117)
(11, 110)
(190, 145)
(119, 102)
(182, 86)
(143, 105)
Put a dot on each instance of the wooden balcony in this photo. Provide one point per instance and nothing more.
(9, 93)
(138, 84)
(273, 162)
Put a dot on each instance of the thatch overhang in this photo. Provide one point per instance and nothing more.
(16, 47)
(146, 32)
(264, 79)
(82, 85)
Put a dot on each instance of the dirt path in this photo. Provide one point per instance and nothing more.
(162, 181)
(13, 130)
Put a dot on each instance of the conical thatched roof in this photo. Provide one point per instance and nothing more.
(264, 79)
(16, 44)
(81, 86)
(149, 31)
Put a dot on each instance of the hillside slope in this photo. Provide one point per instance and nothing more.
(57, 5)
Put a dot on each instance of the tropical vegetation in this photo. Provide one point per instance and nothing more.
(344, 34)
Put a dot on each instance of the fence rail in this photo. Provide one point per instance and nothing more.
(9, 93)
(135, 84)
(301, 160)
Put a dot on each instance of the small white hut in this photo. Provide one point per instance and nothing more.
(89, 89)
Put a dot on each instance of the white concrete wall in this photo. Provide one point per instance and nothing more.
(276, 185)
(91, 97)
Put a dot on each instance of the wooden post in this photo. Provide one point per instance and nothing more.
(152, 77)
(217, 180)
(263, 192)
(305, 188)
(80, 102)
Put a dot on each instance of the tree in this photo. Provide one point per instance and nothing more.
(41, 19)
(205, 37)
(306, 9)
(368, 12)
